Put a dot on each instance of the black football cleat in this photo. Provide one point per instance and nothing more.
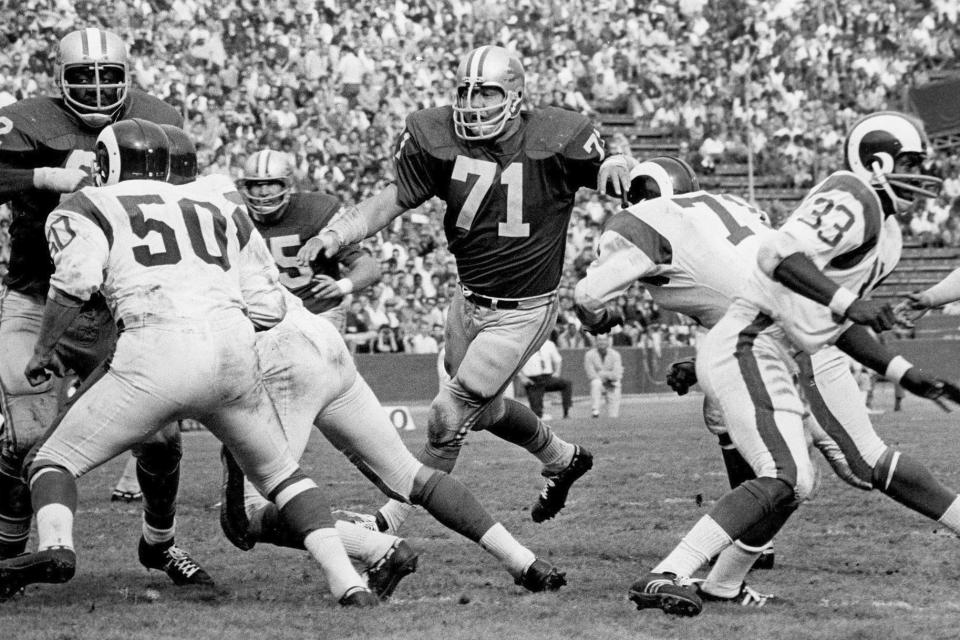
(175, 562)
(233, 511)
(554, 494)
(541, 576)
(663, 591)
(125, 496)
(50, 565)
(359, 597)
(384, 576)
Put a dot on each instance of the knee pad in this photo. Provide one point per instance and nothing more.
(443, 426)
(774, 493)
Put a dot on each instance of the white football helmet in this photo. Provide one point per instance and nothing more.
(486, 67)
(262, 168)
(92, 75)
(876, 144)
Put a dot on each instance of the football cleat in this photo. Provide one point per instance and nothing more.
(541, 576)
(53, 565)
(765, 561)
(359, 597)
(365, 520)
(746, 597)
(663, 591)
(384, 576)
(125, 496)
(233, 511)
(173, 561)
(554, 494)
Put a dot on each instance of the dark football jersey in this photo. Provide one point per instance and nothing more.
(306, 215)
(42, 132)
(508, 203)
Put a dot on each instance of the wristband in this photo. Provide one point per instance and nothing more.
(897, 368)
(345, 285)
(841, 301)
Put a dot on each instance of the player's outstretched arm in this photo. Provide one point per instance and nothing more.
(918, 303)
(798, 273)
(864, 347)
(353, 224)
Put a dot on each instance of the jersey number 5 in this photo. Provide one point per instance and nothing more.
(171, 254)
(485, 171)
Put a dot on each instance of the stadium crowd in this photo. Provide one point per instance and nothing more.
(331, 82)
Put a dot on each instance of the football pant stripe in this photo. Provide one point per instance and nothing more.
(762, 402)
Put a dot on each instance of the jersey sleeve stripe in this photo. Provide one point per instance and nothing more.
(641, 234)
(244, 226)
(81, 205)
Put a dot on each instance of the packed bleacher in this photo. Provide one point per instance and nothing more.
(721, 84)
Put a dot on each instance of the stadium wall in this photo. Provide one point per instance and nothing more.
(409, 378)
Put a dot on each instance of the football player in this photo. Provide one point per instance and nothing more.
(184, 302)
(46, 150)
(286, 220)
(508, 177)
(799, 298)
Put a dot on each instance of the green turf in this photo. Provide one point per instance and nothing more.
(850, 565)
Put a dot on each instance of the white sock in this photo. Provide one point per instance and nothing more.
(155, 536)
(395, 513)
(731, 569)
(54, 526)
(951, 517)
(556, 455)
(705, 540)
(325, 546)
(498, 542)
(365, 546)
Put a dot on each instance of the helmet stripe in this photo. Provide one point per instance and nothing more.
(478, 61)
(263, 163)
(103, 42)
(95, 49)
(84, 44)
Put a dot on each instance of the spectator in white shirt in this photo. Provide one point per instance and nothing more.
(605, 370)
(541, 374)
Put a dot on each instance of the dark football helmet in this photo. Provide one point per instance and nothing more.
(92, 75)
(485, 69)
(882, 148)
(267, 168)
(183, 155)
(132, 149)
(661, 176)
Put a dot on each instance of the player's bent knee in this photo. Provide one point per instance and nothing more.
(773, 493)
(14, 497)
(159, 456)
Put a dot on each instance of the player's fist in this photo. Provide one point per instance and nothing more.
(59, 179)
(616, 171)
(325, 288)
(682, 375)
(41, 367)
(602, 322)
(872, 313)
(326, 242)
(919, 384)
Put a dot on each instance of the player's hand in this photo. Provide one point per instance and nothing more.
(325, 288)
(838, 462)
(911, 309)
(919, 384)
(616, 171)
(325, 242)
(59, 179)
(873, 313)
(682, 375)
(41, 367)
(608, 318)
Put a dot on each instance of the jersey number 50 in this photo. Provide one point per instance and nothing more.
(170, 254)
(485, 171)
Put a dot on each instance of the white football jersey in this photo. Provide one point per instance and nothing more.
(841, 227)
(173, 251)
(692, 252)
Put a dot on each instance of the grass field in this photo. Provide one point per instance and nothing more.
(850, 565)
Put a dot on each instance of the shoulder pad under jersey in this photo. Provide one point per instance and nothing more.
(38, 122)
(315, 207)
(550, 129)
(849, 183)
(432, 130)
(143, 105)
